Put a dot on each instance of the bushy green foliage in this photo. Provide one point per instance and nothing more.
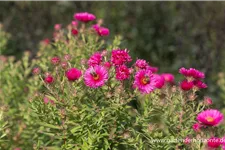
(16, 89)
(4, 38)
(221, 83)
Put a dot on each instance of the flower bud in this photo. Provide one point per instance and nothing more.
(57, 27)
(49, 79)
(187, 140)
(55, 60)
(74, 31)
(208, 101)
(67, 57)
(36, 71)
(64, 65)
(73, 74)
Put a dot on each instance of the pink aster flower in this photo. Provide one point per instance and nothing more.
(120, 57)
(159, 81)
(96, 76)
(210, 117)
(102, 31)
(199, 84)
(196, 127)
(95, 59)
(152, 69)
(57, 27)
(96, 27)
(73, 74)
(186, 85)
(168, 77)
(144, 81)
(84, 17)
(122, 73)
(74, 23)
(192, 73)
(141, 64)
(214, 142)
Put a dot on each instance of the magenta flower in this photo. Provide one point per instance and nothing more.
(84, 17)
(223, 143)
(186, 85)
(49, 79)
(152, 69)
(192, 73)
(96, 27)
(159, 81)
(214, 142)
(102, 31)
(74, 23)
(120, 57)
(95, 59)
(96, 76)
(199, 84)
(73, 74)
(107, 65)
(141, 64)
(168, 77)
(210, 117)
(122, 73)
(196, 127)
(144, 81)
(57, 27)
(74, 31)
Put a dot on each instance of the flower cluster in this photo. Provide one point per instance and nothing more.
(193, 79)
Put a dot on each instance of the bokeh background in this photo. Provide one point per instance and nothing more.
(167, 34)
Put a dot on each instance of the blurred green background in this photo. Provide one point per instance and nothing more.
(167, 34)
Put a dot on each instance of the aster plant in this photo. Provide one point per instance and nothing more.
(103, 100)
(93, 95)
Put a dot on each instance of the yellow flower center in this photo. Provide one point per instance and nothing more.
(145, 80)
(95, 76)
(210, 119)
